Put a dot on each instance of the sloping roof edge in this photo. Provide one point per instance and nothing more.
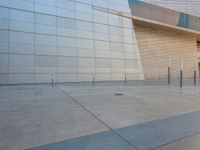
(143, 21)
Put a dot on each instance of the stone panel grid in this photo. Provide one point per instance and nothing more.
(68, 40)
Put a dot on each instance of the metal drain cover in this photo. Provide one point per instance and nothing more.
(119, 94)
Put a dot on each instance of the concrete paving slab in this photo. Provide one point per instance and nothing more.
(146, 136)
(137, 105)
(33, 115)
(41, 115)
(101, 141)
(153, 134)
(190, 143)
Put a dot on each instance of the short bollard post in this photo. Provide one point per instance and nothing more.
(195, 74)
(181, 78)
(52, 80)
(169, 76)
(195, 77)
(93, 80)
(181, 74)
(169, 72)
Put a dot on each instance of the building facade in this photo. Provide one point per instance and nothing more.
(165, 35)
(82, 40)
(68, 40)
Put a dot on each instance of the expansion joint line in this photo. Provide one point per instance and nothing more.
(102, 122)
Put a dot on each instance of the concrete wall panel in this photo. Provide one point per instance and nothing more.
(67, 39)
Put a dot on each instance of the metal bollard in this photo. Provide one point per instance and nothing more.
(52, 80)
(181, 74)
(169, 71)
(181, 78)
(93, 80)
(195, 74)
(169, 75)
(195, 77)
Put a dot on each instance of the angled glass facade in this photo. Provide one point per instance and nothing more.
(66, 39)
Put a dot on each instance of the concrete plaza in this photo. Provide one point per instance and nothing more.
(138, 115)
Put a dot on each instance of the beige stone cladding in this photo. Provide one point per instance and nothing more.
(157, 45)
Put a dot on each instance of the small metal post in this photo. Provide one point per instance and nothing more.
(181, 78)
(93, 80)
(195, 71)
(181, 74)
(195, 77)
(169, 76)
(52, 80)
(169, 72)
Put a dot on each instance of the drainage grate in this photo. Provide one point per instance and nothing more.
(119, 94)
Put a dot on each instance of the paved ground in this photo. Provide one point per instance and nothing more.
(142, 115)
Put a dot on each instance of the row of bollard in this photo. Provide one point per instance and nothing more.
(181, 77)
(52, 80)
(125, 79)
(93, 80)
(181, 74)
(169, 76)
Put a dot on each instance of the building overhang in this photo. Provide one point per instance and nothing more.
(137, 19)
(159, 25)
(164, 16)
